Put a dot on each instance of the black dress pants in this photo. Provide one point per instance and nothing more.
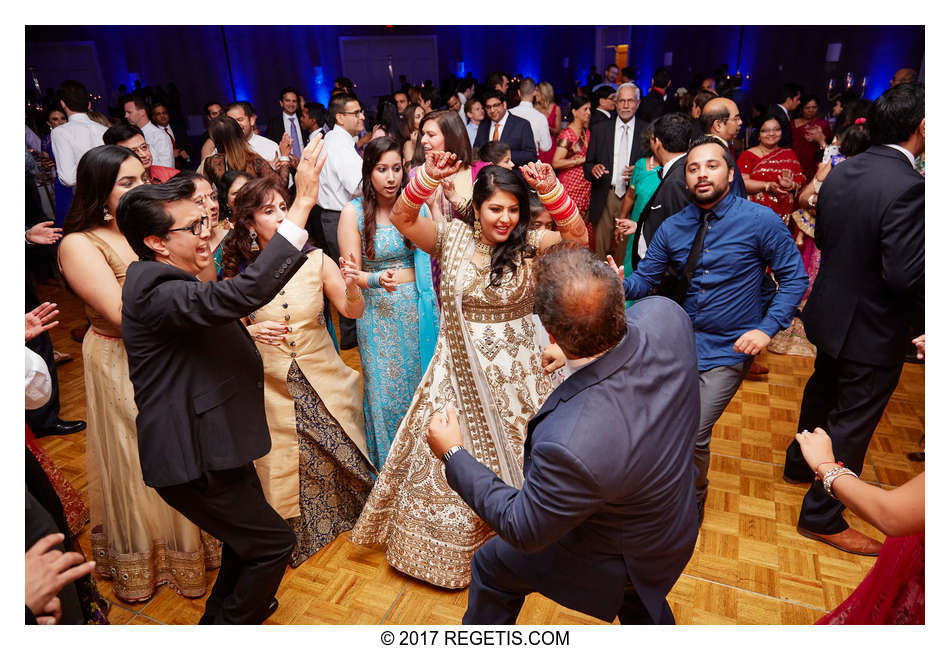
(230, 505)
(331, 221)
(846, 399)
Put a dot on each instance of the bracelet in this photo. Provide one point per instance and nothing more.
(420, 188)
(768, 186)
(559, 205)
(830, 477)
(817, 183)
(349, 298)
(451, 451)
(373, 282)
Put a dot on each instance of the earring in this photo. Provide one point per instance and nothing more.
(105, 214)
(478, 229)
(254, 247)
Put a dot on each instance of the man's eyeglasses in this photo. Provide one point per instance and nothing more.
(195, 227)
(210, 197)
(141, 149)
(492, 106)
(359, 112)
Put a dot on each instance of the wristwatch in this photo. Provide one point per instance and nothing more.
(451, 452)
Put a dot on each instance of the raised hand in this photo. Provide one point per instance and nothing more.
(41, 319)
(613, 267)
(540, 176)
(285, 146)
(441, 164)
(311, 164)
(351, 273)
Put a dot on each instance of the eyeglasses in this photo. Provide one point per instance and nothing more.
(493, 106)
(359, 112)
(142, 148)
(195, 227)
(210, 197)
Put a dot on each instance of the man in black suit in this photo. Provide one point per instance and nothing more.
(288, 122)
(615, 144)
(868, 295)
(654, 104)
(790, 99)
(671, 137)
(599, 472)
(602, 105)
(502, 126)
(199, 383)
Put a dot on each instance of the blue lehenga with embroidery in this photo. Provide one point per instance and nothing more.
(396, 335)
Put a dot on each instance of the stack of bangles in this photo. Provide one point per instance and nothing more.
(835, 472)
(560, 206)
(420, 188)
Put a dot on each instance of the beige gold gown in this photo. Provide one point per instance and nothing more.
(138, 540)
(316, 474)
(487, 364)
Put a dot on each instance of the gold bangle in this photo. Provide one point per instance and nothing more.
(349, 298)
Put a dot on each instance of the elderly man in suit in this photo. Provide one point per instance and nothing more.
(868, 295)
(199, 383)
(605, 521)
(615, 145)
(507, 127)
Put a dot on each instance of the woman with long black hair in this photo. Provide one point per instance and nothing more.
(487, 363)
(138, 540)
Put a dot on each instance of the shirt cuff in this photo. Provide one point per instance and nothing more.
(293, 233)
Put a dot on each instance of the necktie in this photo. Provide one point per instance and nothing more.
(687, 276)
(620, 161)
(170, 136)
(294, 140)
(495, 135)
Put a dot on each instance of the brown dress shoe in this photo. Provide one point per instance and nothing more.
(757, 369)
(848, 540)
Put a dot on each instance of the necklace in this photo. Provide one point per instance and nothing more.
(483, 248)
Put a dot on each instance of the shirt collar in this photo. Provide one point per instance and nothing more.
(337, 127)
(78, 117)
(504, 118)
(607, 113)
(669, 163)
(720, 209)
(904, 151)
(573, 365)
(620, 123)
(785, 110)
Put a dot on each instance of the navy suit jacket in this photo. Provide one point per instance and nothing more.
(609, 473)
(868, 298)
(517, 135)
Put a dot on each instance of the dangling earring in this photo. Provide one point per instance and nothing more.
(254, 247)
(105, 214)
(478, 229)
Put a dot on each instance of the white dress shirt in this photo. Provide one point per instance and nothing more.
(472, 129)
(342, 172)
(621, 158)
(39, 386)
(286, 118)
(462, 99)
(539, 124)
(70, 141)
(159, 144)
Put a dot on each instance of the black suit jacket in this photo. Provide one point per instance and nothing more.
(775, 111)
(670, 197)
(197, 375)
(605, 481)
(652, 106)
(870, 288)
(601, 150)
(596, 117)
(517, 135)
(275, 129)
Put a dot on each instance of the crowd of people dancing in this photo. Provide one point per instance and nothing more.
(520, 271)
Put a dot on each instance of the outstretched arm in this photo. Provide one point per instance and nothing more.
(405, 214)
(540, 176)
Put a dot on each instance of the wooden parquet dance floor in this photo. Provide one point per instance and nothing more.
(750, 565)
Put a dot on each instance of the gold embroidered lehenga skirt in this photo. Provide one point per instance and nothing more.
(487, 364)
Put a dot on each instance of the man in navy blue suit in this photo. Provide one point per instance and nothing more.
(606, 519)
(502, 125)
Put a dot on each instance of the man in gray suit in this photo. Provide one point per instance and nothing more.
(606, 519)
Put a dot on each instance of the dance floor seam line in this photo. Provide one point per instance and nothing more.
(755, 593)
(870, 462)
(395, 602)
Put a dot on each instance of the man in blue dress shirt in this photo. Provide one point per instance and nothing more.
(723, 298)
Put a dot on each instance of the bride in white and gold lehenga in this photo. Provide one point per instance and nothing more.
(487, 364)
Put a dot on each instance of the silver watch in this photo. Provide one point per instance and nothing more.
(451, 451)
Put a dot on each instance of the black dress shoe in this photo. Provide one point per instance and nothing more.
(271, 608)
(61, 428)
